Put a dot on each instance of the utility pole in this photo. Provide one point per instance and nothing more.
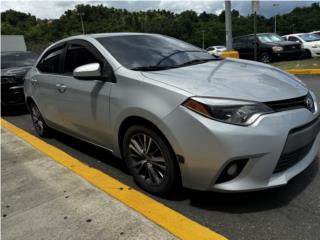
(82, 14)
(275, 17)
(203, 38)
(292, 27)
(228, 21)
(255, 9)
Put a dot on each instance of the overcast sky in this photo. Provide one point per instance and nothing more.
(54, 9)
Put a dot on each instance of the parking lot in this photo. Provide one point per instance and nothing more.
(290, 212)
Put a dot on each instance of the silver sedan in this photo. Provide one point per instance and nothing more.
(174, 113)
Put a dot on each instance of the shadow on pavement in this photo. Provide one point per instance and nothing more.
(14, 110)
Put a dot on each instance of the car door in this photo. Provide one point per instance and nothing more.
(84, 104)
(294, 39)
(44, 80)
(241, 46)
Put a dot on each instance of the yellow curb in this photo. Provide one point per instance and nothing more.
(304, 71)
(230, 54)
(174, 222)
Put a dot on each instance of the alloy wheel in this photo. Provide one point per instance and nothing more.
(147, 159)
(265, 58)
(37, 120)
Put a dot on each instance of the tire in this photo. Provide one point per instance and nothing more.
(39, 125)
(307, 54)
(150, 160)
(265, 58)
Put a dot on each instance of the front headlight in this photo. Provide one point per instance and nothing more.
(228, 110)
(277, 49)
(8, 80)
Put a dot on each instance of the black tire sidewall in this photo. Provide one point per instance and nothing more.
(46, 129)
(265, 54)
(171, 165)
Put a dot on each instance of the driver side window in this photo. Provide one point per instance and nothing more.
(77, 55)
(294, 39)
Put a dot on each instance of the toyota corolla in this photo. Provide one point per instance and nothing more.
(174, 113)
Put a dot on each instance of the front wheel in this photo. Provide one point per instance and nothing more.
(265, 57)
(150, 160)
(41, 128)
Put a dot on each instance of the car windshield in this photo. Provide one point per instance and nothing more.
(220, 47)
(11, 60)
(153, 52)
(309, 37)
(269, 38)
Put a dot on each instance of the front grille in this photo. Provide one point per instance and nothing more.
(288, 104)
(288, 160)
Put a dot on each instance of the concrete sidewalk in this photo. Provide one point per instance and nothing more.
(43, 200)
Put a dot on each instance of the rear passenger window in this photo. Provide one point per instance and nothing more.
(239, 43)
(50, 62)
(76, 56)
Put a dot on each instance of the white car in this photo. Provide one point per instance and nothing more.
(216, 50)
(309, 41)
(316, 32)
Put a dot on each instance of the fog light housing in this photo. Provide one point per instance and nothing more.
(232, 170)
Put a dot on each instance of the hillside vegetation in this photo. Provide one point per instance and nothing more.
(187, 25)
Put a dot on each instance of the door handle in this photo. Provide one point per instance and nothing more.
(61, 87)
(33, 81)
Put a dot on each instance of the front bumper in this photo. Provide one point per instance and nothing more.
(315, 52)
(12, 95)
(208, 146)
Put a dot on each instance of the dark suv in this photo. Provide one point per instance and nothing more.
(14, 66)
(270, 46)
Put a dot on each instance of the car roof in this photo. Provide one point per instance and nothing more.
(16, 52)
(248, 35)
(101, 35)
(115, 34)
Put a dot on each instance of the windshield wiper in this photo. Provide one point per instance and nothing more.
(151, 68)
(198, 61)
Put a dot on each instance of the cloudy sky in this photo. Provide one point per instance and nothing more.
(55, 8)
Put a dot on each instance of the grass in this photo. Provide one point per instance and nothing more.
(312, 63)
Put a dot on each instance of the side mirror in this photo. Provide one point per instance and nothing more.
(89, 71)
(297, 41)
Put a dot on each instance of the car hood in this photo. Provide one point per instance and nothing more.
(16, 71)
(282, 43)
(231, 78)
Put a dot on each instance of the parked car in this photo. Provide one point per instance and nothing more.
(270, 47)
(309, 42)
(316, 32)
(14, 66)
(175, 113)
(216, 50)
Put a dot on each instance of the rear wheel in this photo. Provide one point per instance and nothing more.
(41, 128)
(150, 160)
(265, 57)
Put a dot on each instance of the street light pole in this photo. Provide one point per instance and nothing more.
(275, 17)
(255, 10)
(82, 14)
(203, 39)
(228, 24)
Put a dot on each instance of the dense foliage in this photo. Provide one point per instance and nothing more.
(187, 25)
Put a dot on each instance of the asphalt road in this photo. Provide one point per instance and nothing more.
(289, 212)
